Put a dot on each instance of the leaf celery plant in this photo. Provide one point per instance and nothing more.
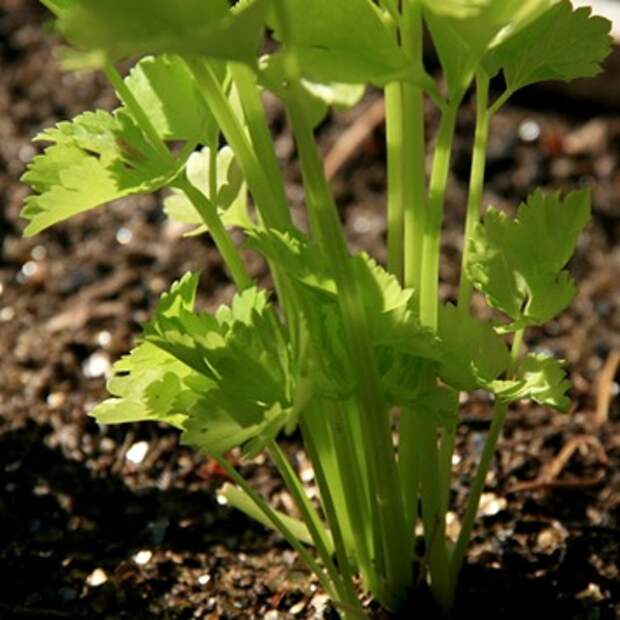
(357, 350)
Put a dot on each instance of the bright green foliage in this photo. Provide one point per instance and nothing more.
(318, 97)
(226, 379)
(118, 29)
(540, 378)
(561, 44)
(230, 199)
(149, 383)
(402, 346)
(352, 353)
(343, 42)
(518, 263)
(472, 350)
(463, 32)
(162, 85)
(96, 158)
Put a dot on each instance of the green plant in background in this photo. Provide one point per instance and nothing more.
(357, 350)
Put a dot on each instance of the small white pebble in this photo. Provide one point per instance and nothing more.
(104, 338)
(29, 269)
(38, 252)
(362, 225)
(490, 505)
(7, 314)
(529, 131)
(124, 236)
(143, 557)
(456, 459)
(55, 399)
(307, 474)
(137, 452)
(203, 580)
(97, 365)
(26, 153)
(297, 608)
(97, 578)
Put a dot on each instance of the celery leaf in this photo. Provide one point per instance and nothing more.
(119, 29)
(96, 158)
(472, 350)
(230, 199)
(539, 378)
(343, 42)
(518, 263)
(561, 44)
(167, 92)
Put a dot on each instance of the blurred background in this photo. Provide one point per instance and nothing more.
(124, 522)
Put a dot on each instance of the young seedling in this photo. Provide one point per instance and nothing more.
(353, 342)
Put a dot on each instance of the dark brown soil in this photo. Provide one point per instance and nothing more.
(87, 533)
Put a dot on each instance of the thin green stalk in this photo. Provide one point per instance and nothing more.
(376, 428)
(434, 526)
(446, 451)
(387, 505)
(349, 467)
(315, 526)
(414, 149)
(274, 213)
(476, 183)
(131, 103)
(213, 153)
(266, 509)
(500, 101)
(477, 486)
(395, 173)
(246, 85)
(429, 298)
(409, 468)
(208, 213)
(331, 512)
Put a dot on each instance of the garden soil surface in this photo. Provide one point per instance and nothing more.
(123, 522)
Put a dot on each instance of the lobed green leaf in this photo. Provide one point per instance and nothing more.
(96, 158)
(118, 29)
(230, 199)
(518, 263)
(343, 42)
(562, 43)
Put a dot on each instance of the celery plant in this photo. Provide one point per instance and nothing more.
(357, 350)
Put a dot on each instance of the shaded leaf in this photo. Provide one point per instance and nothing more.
(472, 350)
(346, 42)
(119, 29)
(561, 44)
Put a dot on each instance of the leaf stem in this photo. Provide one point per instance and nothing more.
(209, 215)
(432, 514)
(477, 486)
(247, 88)
(414, 149)
(476, 183)
(311, 518)
(386, 502)
(266, 509)
(330, 511)
(273, 212)
(395, 172)
(429, 299)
